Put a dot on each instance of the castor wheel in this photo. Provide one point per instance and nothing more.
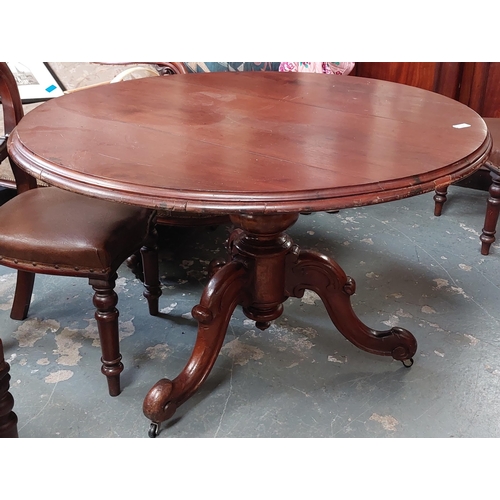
(154, 430)
(407, 362)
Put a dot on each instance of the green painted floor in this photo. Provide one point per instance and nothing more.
(299, 378)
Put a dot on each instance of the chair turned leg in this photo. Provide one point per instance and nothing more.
(152, 287)
(8, 419)
(134, 263)
(439, 199)
(22, 295)
(105, 300)
(491, 218)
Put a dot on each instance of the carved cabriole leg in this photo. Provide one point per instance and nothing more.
(22, 295)
(313, 271)
(491, 219)
(253, 279)
(223, 293)
(439, 199)
(8, 419)
(152, 287)
(105, 300)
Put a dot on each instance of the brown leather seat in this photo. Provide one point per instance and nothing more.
(39, 226)
(51, 231)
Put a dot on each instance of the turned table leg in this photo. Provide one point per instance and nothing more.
(8, 419)
(265, 269)
(440, 197)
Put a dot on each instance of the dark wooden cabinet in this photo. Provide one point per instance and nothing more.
(480, 88)
(443, 78)
(475, 84)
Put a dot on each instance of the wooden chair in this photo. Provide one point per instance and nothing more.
(493, 205)
(51, 231)
(8, 419)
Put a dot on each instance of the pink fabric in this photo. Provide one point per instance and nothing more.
(330, 68)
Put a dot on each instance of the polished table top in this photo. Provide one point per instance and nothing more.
(260, 147)
(258, 142)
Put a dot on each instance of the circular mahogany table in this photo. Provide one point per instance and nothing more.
(261, 147)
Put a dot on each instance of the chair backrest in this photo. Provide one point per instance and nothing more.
(11, 100)
(12, 113)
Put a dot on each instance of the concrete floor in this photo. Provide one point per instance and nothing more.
(300, 378)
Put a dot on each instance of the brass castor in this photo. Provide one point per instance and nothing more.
(154, 430)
